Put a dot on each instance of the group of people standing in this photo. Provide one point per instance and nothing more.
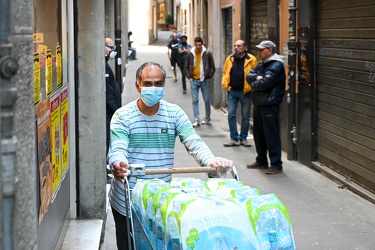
(263, 84)
(247, 81)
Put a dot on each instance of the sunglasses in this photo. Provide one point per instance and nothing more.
(111, 47)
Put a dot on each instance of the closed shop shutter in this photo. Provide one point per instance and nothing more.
(258, 24)
(345, 84)
(228, 31)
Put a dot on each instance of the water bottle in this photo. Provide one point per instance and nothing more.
(281, 239)
(263, 240)
(273, 231)
(150, 221)
(159, 230)
(279, 233)
(264, 224)
(220, 244)
(174, 233)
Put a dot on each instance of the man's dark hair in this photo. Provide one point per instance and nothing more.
(138, 74)
(198, 39)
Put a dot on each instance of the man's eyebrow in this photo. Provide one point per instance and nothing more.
(149, 81)
(159, 80)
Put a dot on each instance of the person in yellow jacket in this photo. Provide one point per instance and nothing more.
(236, 68)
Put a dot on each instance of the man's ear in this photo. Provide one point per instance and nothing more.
(137, 87)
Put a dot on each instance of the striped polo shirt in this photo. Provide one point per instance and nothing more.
(138, 138)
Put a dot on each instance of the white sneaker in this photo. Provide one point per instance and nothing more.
(206, 120)
(196, 123)
(172, 68)
(245, 143)
(231, 143)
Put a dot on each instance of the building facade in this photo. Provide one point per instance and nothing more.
(53, 107)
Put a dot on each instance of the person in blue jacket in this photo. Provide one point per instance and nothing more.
(267, 82)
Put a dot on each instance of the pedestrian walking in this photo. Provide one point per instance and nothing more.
(174, 31)
(200, 68)
(173, 54)
(235, 70)
(144, 131)
(133, 51)
(267, 82)
(183, 49)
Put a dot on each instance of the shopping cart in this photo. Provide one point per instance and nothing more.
(136, 234)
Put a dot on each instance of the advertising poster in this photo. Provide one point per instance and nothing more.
(58, 67)
(43, 114)
(64, 129)
(49, 72)
(36, 79)
(55, 136)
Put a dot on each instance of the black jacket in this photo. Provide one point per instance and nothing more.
(113, 94)
(271, 88)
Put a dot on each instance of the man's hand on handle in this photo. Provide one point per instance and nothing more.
(222, 165)
(120, 170)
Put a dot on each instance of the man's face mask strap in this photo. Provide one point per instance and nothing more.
(112, 54)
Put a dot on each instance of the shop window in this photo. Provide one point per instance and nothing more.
(47, 48)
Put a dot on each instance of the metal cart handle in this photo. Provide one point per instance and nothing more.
(141, 171)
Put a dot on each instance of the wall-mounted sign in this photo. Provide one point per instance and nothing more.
(64, 129)
(43, 114)
(58, 67)
(36, 79)
(49, 72)
(38, 38)
(55, 142)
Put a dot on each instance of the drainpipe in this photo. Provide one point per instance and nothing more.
(291, 94)
(8, 68)
(118, 43)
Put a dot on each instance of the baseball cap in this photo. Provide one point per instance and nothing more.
(266, 45)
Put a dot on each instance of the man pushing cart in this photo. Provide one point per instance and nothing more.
(144, 132)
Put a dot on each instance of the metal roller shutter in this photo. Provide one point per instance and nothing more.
(345, 81)
(228, 31)
(258, 24)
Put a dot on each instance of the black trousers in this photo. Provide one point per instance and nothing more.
(121, 230)
(267, 135)
(182, 66)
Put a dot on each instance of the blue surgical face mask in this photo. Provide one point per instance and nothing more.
(151, 95)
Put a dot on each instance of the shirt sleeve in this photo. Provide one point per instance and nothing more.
(118, 150)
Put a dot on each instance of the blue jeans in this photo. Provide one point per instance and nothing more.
(195, 85)
(234, 97)
(133, 53)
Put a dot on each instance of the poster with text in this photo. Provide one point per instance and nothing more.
(49, 72)
(64, 129)
(36, 79)
(55, 136)
(58, 67)
(43, 114)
